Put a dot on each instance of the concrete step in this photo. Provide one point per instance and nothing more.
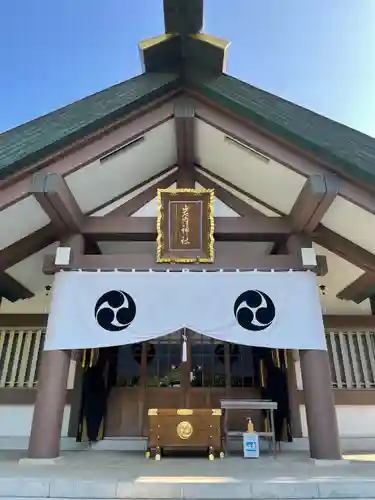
(120, 475)
(154, 489)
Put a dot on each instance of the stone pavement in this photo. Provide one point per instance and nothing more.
(111, 475)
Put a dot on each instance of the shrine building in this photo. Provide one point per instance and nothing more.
(181, 239)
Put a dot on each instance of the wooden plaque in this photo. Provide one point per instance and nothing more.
(185, 225)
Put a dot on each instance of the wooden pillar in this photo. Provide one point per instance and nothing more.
(51, 396)
(320, 405)
(49, 405)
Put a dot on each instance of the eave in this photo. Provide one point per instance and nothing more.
(344, 150)
(29, 143)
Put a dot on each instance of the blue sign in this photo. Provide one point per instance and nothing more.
(250, 445)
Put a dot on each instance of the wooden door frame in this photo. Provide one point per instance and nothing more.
(227, 372)
(184, 388)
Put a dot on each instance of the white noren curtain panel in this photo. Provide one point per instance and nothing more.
(267, 309)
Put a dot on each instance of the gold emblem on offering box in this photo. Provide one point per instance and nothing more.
(184, 430)
(185, 225)
(184, 411)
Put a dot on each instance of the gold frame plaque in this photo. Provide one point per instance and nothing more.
(185, 226)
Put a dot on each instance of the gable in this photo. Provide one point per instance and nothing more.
(127, 163)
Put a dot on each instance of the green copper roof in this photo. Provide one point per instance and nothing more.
(342, 147)
(38, 138)
(336, 144)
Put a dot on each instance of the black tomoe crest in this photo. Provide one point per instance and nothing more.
(254, 310)
(115, 310)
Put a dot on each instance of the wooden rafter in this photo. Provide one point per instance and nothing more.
(23, 248)
(12, 289)
(239, 206)
(314, 200)
(15, 253)
(236, 204)
(360, 289)
(328, 239)
(140, 200)
(344, 248)
(239, 190)
(54, 196)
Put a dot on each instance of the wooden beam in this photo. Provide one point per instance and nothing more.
(326, 238)
(349, 321)
(147, 261)
(141, 199)
(313, 202)
(27, 246)
(117, 228)
(321, 235)
(131, 193)
(294, 245)
(186, 177)
(12, 289)
(184, 119)
(236, 204)
(344, 248)
(54, 196)
(360, 289)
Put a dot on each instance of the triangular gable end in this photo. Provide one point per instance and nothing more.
(151, 208)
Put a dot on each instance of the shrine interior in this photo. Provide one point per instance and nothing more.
(140, 376)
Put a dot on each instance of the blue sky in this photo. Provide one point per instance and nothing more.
(317, 53)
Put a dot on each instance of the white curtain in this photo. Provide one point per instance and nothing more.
(268, 309)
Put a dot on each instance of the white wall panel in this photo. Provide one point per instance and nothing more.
(100, 182)
(16, 420)
(20, 220)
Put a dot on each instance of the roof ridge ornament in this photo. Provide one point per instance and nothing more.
(183, 17)
(183, 47)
